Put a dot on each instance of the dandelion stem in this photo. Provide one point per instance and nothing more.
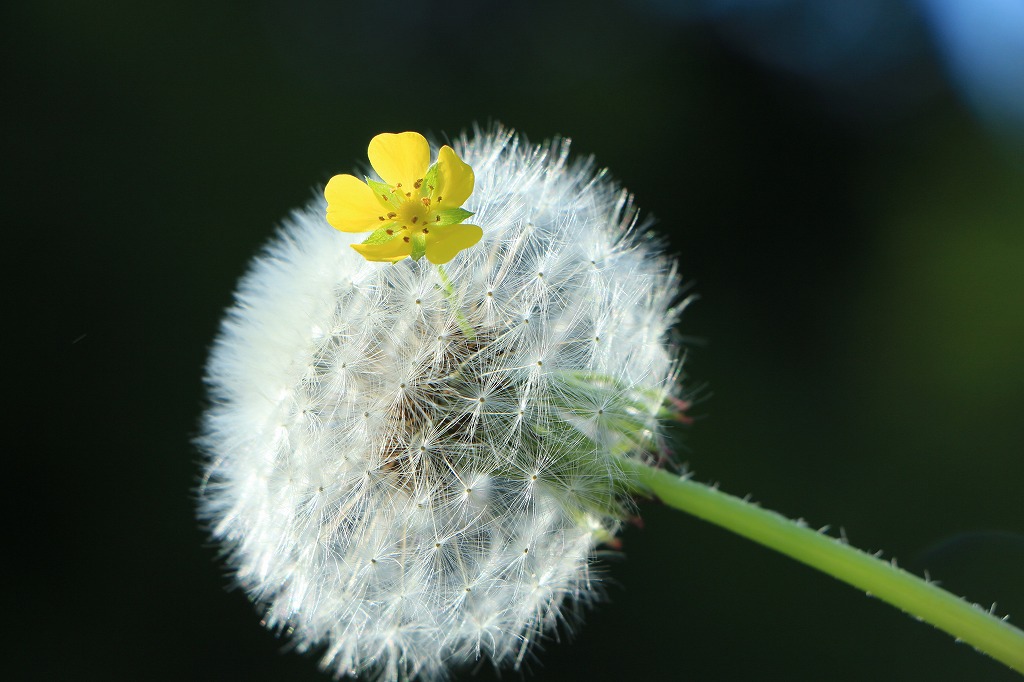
(449, 292)
(879, 578)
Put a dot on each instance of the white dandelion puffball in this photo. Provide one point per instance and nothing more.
(409, 467)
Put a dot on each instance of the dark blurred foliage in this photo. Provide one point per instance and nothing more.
(855, 237)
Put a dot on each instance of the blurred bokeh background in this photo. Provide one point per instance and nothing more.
(843, 184)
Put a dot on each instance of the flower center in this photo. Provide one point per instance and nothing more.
(412, 215)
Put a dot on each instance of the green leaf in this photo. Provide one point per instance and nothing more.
(453, 216)
(430, 180)
(381, 236)
(384, 191)
(419, 246)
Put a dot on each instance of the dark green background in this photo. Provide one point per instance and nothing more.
(857, 342)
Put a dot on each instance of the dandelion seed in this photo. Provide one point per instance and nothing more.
(401, 532)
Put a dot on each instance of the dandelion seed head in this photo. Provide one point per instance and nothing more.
(407, 478)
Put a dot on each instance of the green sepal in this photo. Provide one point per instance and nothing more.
(384, 191)
(381, 236)
(452, 216)
(419, 246)
(430, 181)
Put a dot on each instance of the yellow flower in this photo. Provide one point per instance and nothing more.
(416, 211)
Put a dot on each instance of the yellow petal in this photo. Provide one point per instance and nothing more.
(455, 179)
(390, 252)
(351, 205)
(399, 157)
(444, 243)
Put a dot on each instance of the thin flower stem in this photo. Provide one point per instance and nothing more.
(917, 597)
(449, 292)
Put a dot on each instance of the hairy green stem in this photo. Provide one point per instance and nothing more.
(882, 579)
